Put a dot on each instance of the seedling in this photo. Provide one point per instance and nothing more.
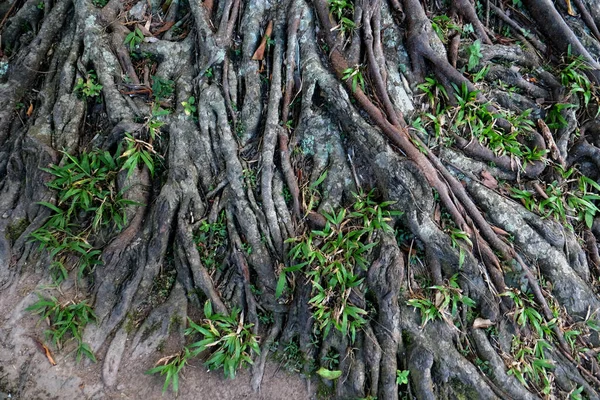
(211, 241)
(171, 366)
(474, 52)
(134, 39)
(355, 74)
(162, 88)
(445, 303)
(87, 201)
(88, 87)
(402, 377)
(331, 257)
(343, 11)
(138, 151)
(67, 322)
(188, 106)
(230, 340)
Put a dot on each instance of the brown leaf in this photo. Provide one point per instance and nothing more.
(164, 28)
(49, 355)
(437, 214)
(30, 110)
(488, 180)
(259, 54)
(144, 30)
(554, 152)
(499, 231)
(481, 323)
(569, 8)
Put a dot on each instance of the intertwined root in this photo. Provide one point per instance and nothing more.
(279, 114)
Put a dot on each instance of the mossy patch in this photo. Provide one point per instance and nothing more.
(16, 229)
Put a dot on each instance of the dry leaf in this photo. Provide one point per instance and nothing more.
(437, 214)
(30, 110)
(439, 299)
(481, 323)
(49, 355)
(499, 231)
(488, 180)
(569, 8)
(259, 54)
(554, 152)
(144, 30)
(164, 28)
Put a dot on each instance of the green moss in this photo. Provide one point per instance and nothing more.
(174, 323)
(16, 229)
(463, 391)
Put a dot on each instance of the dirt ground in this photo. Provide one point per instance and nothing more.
(25, 372)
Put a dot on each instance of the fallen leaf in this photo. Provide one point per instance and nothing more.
(144, 30)
(547, 134)
(481, 323)
(259, 54)
(30, 110)
(499, 231)
(49, 355)
(569, 8)
(488, 180)
(164, 28)
(437, 213)
(45, 349)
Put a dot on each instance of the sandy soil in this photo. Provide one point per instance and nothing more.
(25, 372)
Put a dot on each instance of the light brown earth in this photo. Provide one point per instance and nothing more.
(26, 373)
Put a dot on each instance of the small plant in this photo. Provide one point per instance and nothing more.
(134, 39)
(162, 88)
(481, 74)
(554, 116)
(66, 323)
(402, 377)
(332, 258)
(40, 5)
(155, 122)
(289, 355)
(474, 52)
(88, 87)
(188, 106)
(445, 304)
(331, 360)
(575, 394)
(433, 90)
(356, 75)
(442, 25)
(171, 366)
(138, 151)
(230, 340)
(100, 3)
(87, 201)
(228, 337)
(249, 178)
(572, 76)
(343, 11)
(526, 314)
(211, 241)
(457, 236)
(530, 365)
(565, 205)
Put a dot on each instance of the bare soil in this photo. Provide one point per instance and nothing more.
(26, 373)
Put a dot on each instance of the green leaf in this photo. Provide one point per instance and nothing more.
(329, 374)
(281, 284)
